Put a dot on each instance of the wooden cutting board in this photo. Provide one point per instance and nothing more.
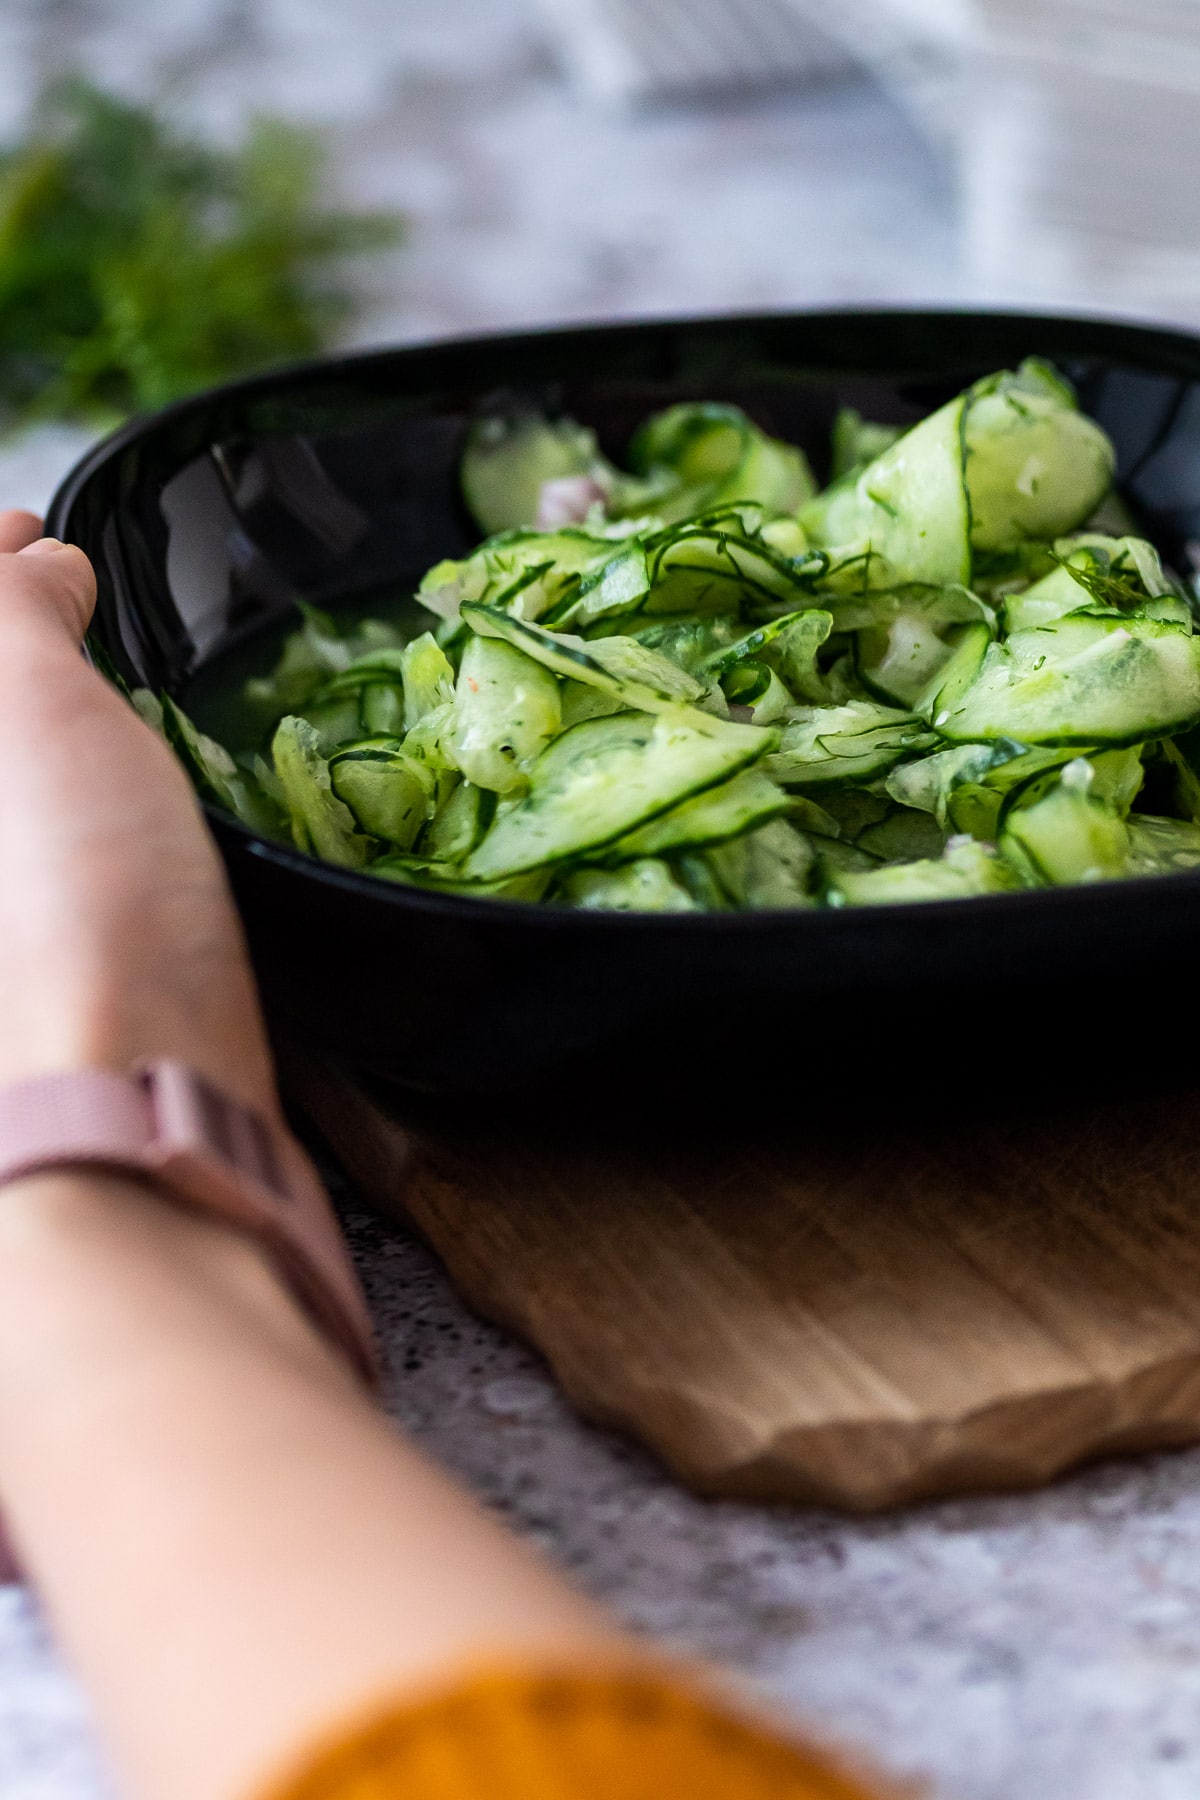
(861, 1317)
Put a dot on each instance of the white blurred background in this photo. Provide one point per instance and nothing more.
(569, 159)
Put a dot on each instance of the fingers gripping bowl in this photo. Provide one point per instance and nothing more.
(339, 483)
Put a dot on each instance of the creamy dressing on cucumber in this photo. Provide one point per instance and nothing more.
(693, 680)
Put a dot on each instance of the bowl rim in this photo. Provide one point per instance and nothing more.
(1148, 336)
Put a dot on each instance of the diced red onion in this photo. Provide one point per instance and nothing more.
(567, 501)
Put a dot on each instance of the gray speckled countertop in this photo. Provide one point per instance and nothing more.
(1041, 1647)
(1008, 1649)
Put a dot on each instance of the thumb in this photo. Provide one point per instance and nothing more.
(47, 583)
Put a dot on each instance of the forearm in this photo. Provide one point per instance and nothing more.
(235, 1546)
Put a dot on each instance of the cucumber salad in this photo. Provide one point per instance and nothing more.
(700, 682)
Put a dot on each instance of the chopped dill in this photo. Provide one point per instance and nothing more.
(138, 264)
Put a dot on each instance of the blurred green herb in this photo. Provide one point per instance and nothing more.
(137, 264)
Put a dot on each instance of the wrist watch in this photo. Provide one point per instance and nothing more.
(168, 1126)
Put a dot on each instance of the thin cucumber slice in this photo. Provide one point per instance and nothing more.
(529, 573)
(806, 815)
(381, 709)
(967, 788)
(786, 537)
(1036, 466)
(321, 823)
(787, 646)
(379, 668)
(646, 885)
(1118, 776)
(995, 574)
(640, 673)
(389, 792)
(215, 775)
(849, 811)
(459, 823)
(794, 655)
(1183, 756)
(1161, 846)
(759, 689)
(1053, 597)
(913, 640)
(767, 870)
(602, 779)
(1112, 776)
(1093, 571)
(906, 512)
(966, 868)
(446, 878)
(747, 801)
(853, 743)
(1068, 836)
(690, 642)
(720, 563)
(812, 623)
(432, 739)
(524, 581)
(715, 455)
(580, 702)
(619, 666)
(313, 653)
(1084, 679)
(507, 708)
(836, 857)
(616, 587)
(928, 782)
(903, 836)
(145, 703)
(365, 700)
(506, 461)
(335, 721)
(428, 678)
(956, 677)
(694, 871)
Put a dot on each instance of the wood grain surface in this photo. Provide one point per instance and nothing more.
(861, 1316)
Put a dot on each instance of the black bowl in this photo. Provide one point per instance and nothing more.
(338, 478)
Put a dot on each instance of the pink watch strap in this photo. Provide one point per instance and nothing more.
(169, 1126)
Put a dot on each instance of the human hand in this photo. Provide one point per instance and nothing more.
(118, 937)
